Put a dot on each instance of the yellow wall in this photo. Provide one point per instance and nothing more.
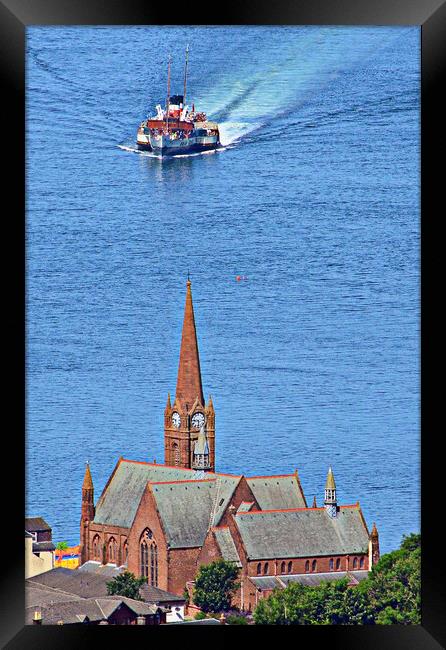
(34, 564)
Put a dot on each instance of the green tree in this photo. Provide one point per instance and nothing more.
(125, 584)
(61, 546)
(215, 585)
(390, 594)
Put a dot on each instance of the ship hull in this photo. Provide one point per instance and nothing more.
(170, 151)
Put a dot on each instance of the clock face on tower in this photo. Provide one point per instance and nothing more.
(176, 420)
(198, 420)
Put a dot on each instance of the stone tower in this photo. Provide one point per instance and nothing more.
(188, 414)
(87, 513)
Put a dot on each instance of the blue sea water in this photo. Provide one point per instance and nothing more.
(314, 360)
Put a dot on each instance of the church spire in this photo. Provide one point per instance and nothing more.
(189, 385)
(88, 481)
(330, 494)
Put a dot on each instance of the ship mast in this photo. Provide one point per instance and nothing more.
(185, 75)
(168, 95)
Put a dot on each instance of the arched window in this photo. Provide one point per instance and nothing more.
(355, 563)
(148, 557)
(125, 552)
(282, 567)
(290, 567)
(361, 563)
(96, 548)
(265, 568)
(259, 569)
(112, 550)
(331, 564)
(307, 566)
(338, 563)
(314, 565)
(176, 454)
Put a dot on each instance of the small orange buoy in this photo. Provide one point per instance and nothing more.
(238, 278)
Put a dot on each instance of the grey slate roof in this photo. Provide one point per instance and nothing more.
(309, 579)
(245, 506)
(73, 581)
(185, 507)
(302, 533)
(226, 545)
(95, 609)
(277, 492)
(119, 502)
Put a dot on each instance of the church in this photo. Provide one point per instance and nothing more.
(162, 521)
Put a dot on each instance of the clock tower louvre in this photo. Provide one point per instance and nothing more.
(185, 417)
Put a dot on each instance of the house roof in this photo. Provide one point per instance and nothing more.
(266, 583)
(95, 609)
(277, 491)
(185, 517)
(226, 544)
(36, 524)
(302, 533)
(61, 584)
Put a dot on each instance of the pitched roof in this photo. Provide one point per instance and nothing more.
(227, 546)
(187, 520)
(185, 507)
(80, 583)
(266, 583)
(95, 609)
(273, 492)
(119, 501)
(302, 533)
(36, 524)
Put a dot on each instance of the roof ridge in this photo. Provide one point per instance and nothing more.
(188, 480)
(270, 476)
(260, 512)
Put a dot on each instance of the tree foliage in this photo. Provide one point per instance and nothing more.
(215, 585)
(125, 584)
(390, 594)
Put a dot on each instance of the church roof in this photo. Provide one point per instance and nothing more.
(185, 516)
(185, 507)
(274, 492)
(226, 544)
(302, 533)
(120, 499)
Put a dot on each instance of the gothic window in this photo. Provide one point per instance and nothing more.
(314, 565)
(265, 568)
(96, 548)
(338, 563)
(355, 563)
(290, 567)
(282, 567)
(307, 566)
(259, 569)
(125, 554)
(361, 563)
(148, 557)
(331, 564)
(112, 550)
(176, 454)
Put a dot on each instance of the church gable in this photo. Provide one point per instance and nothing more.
(121, 497)
(277, 492)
